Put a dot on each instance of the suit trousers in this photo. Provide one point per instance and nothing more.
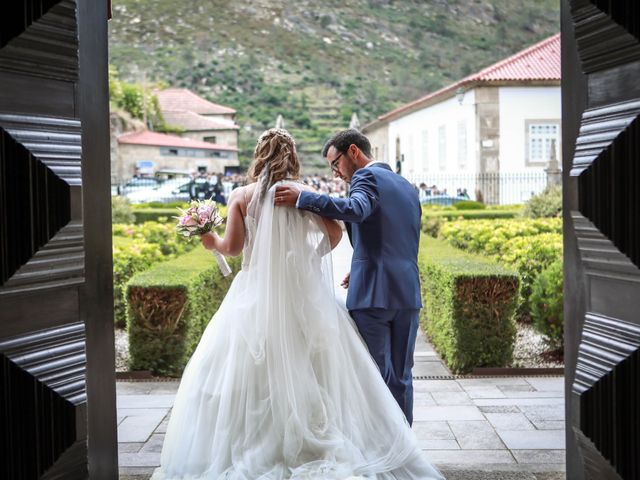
(390, 336)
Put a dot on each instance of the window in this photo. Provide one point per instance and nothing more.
(540, 137)
(462, 144)
(410, 154)
(442, 147)
(210, 139)
(425, 150)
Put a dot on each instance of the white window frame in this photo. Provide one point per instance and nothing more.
(543, 139)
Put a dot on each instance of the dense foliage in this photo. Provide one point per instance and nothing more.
(547, 203)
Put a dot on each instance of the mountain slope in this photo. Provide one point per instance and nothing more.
(317, 62)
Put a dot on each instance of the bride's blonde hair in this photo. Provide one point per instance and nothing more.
(275, 158)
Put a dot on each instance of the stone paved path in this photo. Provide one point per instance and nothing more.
(473, 429)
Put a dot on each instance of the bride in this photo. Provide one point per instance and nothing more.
(281, 386)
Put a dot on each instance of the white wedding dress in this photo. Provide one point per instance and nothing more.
(281, 385)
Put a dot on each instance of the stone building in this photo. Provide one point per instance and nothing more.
(171, 152)
(499, 123)
(199, 119)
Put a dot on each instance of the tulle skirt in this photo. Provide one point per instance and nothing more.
(281, 385)
(310, 405)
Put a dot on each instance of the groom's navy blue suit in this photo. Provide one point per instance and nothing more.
(384, 287)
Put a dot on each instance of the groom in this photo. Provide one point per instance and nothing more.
(384, 285)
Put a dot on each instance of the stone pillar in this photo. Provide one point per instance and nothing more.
(488, 135)
(554, 174)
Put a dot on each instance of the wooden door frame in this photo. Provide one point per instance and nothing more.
(96, 298)
(574, 101)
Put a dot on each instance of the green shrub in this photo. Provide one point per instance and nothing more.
(530, 256)
(162, 234)
(168, 308)
(490, 236)
(168, 205)
(548, 203)
(469, 306)
(547, 308)
(160, 215)
(469, 205)
(453, 214)
(431, 225)
(121, 211)
(130, 256)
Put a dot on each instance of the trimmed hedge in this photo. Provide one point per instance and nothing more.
(161, 215)
(527, 245)
(469, 205)
(130, 256)
(136, 248)
(469, 306)
(168, 308)
(165, 214)
(472, 214)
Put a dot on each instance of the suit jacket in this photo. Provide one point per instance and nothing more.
(385, 214)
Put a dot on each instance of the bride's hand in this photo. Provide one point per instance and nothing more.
(345, 282)
(208, 241)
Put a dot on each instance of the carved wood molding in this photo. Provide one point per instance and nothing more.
(599, 255)
(56, 142)
(602, 43)
(41, 244)
(46, 44)
(605, 392)
(43, 399)
(599, 128)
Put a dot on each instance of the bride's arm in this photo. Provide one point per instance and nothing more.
(334, 230)
(334, 227)
(233, 241)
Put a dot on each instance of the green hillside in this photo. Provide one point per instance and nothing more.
(316, 63)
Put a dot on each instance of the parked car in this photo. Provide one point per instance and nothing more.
(148, 182)
(442, 200)
(169, 191)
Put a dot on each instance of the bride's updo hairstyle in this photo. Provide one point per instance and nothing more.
(275, 158)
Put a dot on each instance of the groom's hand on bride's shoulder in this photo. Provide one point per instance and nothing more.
(286, 196)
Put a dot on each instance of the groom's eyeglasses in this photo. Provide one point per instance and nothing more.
(334, 163)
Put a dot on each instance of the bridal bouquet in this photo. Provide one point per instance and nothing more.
(202, 216)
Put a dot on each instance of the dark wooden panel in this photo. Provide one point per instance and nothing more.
(607, 386)
(48, 46)
(17, 16)
(28, 95)
(602, 43)
(38, 310)
(43, 382)
(612, 180)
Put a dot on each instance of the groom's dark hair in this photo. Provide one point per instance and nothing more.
(341, 141)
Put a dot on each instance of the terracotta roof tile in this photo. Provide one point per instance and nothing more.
(156, 139)
(193, 121)
(537, 63)
(183, 99)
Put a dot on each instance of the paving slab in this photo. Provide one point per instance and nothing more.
(533, 440)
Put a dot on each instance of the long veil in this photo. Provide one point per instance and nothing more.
(281, 386)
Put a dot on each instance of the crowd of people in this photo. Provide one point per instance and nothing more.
(426, 192)
(219, 187)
